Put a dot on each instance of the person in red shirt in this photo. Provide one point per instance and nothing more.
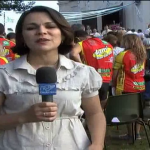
(12, 37)
(98, 54)
(3, 60)
(7, 44)
(129, 69)
(128, 75)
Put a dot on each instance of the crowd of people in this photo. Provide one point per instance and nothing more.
(90, 67)
(115, 28)
(7, 42)
(123, 61)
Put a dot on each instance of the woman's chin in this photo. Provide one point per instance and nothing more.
(43, 49)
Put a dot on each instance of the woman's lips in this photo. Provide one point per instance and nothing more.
(42, 41)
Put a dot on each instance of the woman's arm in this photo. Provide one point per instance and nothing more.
(114, 77)
(96, 121)
(75, 53)
(9, 121)
(45, 111)
(117, 66)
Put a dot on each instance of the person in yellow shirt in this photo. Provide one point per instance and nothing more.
(3, 60)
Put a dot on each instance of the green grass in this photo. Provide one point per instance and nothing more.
(114, 143)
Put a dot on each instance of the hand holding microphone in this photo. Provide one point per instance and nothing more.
(47, 110)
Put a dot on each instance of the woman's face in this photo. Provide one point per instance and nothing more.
(40, 33)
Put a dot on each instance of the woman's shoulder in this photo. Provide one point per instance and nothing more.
(85, 71)
(9, 68)
(76, 68)
(81, 75)
(5, 73)
(83, 67)
(72, 65)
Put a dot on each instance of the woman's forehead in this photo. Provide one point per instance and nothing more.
(38, 17)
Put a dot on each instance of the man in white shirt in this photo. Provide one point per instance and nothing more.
(106, 30)
(141, 34)
(147, 31)
(95, 33)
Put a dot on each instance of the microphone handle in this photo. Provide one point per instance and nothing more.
(47, 98)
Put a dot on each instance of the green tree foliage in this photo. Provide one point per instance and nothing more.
(16, 5)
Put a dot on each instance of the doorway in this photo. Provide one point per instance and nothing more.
(114, 18)
(91, 22)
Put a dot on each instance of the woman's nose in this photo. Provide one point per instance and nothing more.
(41, 30)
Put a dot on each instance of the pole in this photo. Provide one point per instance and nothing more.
(4, 19)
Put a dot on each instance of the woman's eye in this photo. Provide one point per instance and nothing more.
(31, 28)
(48, 26)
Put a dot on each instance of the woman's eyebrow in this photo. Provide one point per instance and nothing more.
(33, 23)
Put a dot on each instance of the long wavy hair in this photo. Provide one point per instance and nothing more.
(133, 43)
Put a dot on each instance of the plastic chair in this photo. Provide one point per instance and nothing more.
(127, 108)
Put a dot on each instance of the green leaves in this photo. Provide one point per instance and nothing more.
(16, 5)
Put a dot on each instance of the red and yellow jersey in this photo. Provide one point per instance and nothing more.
(7, 45)
(98, 54)
(3, 61)
(131, 75)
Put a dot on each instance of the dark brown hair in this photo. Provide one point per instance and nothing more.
(2, 29)
(79, 35)
(134, 44)
(11, 35)
(64, 48)
(112, 39)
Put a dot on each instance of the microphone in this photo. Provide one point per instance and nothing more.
(46, 78)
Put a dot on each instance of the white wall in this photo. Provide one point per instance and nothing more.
(130, 17)
(132, 20)
(11, 19)
(72, 6)
(145, 13)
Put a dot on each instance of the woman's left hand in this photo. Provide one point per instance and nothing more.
(95, 147)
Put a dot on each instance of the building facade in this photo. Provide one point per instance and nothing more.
(135, 16)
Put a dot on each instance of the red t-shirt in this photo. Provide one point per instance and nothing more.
(131, 75)
(98, 54)
(3, 61)
(7, 45)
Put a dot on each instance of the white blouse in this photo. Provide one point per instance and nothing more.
(74, 81)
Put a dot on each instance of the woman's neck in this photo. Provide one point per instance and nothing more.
(50, 59)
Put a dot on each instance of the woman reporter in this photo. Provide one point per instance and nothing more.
(43, 37)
